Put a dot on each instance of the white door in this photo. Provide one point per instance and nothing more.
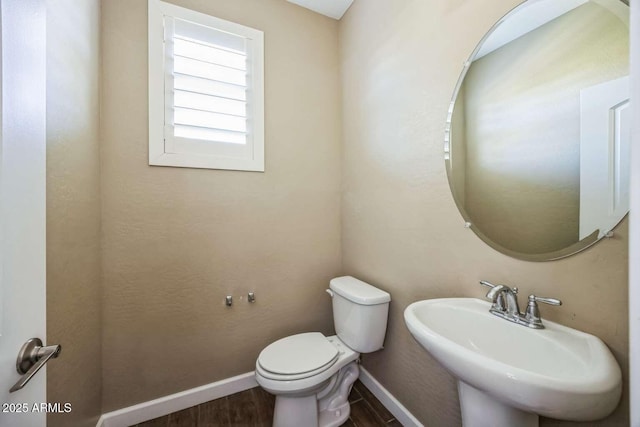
(22, 203)
(605, 148)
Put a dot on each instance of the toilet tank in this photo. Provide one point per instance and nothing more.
(360, 313)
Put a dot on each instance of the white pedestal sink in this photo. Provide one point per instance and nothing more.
(509, 374)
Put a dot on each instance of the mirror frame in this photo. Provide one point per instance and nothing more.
(573, 249)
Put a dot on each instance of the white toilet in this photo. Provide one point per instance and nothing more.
(311, 375)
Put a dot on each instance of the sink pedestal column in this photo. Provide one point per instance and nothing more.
(481, 410)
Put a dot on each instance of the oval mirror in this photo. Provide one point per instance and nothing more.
(538, 132)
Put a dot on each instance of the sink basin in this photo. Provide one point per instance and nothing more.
(513, 372)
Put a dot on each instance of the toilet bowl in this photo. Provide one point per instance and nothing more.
(311, 374)
(301, 370)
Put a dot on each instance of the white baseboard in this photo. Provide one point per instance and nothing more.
(185, 399)
(176, 402)
(401, 413)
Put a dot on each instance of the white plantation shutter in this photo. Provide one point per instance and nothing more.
(212, 92)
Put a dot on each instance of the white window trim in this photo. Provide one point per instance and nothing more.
(157, 153)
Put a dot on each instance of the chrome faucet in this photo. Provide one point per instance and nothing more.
(504, 299)
(505, 304)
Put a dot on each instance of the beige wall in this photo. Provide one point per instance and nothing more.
(73, 209)
(523, 176)
(401, 228)
(176, 241)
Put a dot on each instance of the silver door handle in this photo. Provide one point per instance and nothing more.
(33, 355)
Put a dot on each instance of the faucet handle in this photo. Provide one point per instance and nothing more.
(532, 314)
(550, 301)
(487, 284)
(491, 285)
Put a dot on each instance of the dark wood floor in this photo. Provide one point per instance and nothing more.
(254, 407)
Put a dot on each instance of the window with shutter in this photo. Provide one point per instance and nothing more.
(205, 91)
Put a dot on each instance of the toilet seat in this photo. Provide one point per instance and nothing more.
(309, 382)
(297, 357)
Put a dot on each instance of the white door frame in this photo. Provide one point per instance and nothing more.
(634, 219)
(22, 201)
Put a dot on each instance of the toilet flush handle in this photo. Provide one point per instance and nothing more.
(330, 292)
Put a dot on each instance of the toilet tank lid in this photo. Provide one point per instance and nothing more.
(358, 291)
